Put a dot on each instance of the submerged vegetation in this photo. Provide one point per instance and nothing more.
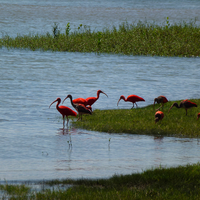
(142, 121)
(181, 182)
(130, 39)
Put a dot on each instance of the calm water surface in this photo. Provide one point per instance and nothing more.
(33, 145)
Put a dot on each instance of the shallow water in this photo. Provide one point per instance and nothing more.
(33, 146)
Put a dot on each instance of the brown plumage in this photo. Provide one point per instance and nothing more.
(80, 108)
(160, 99)
(186, 104)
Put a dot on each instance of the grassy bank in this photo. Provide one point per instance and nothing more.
(141, 121)
(130, 39)
(181, 182)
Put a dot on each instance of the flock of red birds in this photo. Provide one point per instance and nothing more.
(84, 106)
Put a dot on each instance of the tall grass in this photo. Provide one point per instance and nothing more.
(181, 39)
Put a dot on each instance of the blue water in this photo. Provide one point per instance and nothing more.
(33, 145)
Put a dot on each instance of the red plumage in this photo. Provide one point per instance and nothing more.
(64, 110)
(159, 116)
(131, 98)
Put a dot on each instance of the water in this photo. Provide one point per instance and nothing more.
(33, 146)
(25, 16)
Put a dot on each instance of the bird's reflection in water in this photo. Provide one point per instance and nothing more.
(158, 138)
(66, 132)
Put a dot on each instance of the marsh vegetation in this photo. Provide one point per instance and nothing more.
(161, 183)
(131, 39)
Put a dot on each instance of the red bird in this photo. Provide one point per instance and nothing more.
(160, 99)
(92, 100)
(198, 115)
(184, 104)
(80, 101)
(159, 116)
(81, 109)
(132, 98)
(64, 111)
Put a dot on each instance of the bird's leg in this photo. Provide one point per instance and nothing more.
(162, 106)
(63, 123)
(133, 106)
(136, 104)
(67, 121)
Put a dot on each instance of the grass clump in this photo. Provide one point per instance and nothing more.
(141, 121)
(181, 182)
(131, 39)
(15, 190)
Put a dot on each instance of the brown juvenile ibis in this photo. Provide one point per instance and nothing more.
(131, 98)
(184, 104)
(80, 108)
(92, 100)
(64, 111)
(159, 116)
(160, 99)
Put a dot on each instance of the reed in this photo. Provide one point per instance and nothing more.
(141, 121)
(131, 39)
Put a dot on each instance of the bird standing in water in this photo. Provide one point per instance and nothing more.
(64, 111)
(160, 99)
(159, 116)
(80, 108)
(131, 98)
(184, 104)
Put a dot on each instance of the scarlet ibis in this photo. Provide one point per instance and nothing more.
(80, 101)
(92, 100)
(132, 98)
(81, 109)
(159, 116)
(184, 104)
(64, 111)
(89, 107)
(198, 115)
(160, 99)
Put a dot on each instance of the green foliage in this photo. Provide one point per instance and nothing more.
(131, 39)
(181, 182)
(142, 121)
(56, 31)
(67, 30)
(20, 190)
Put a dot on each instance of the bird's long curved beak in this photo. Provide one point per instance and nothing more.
(118, 101)
(52, 103)
(105, 94)
(171, 108)
(65, 99)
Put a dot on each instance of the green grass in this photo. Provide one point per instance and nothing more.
(141, 121)
(181, 39)
(181, 182)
